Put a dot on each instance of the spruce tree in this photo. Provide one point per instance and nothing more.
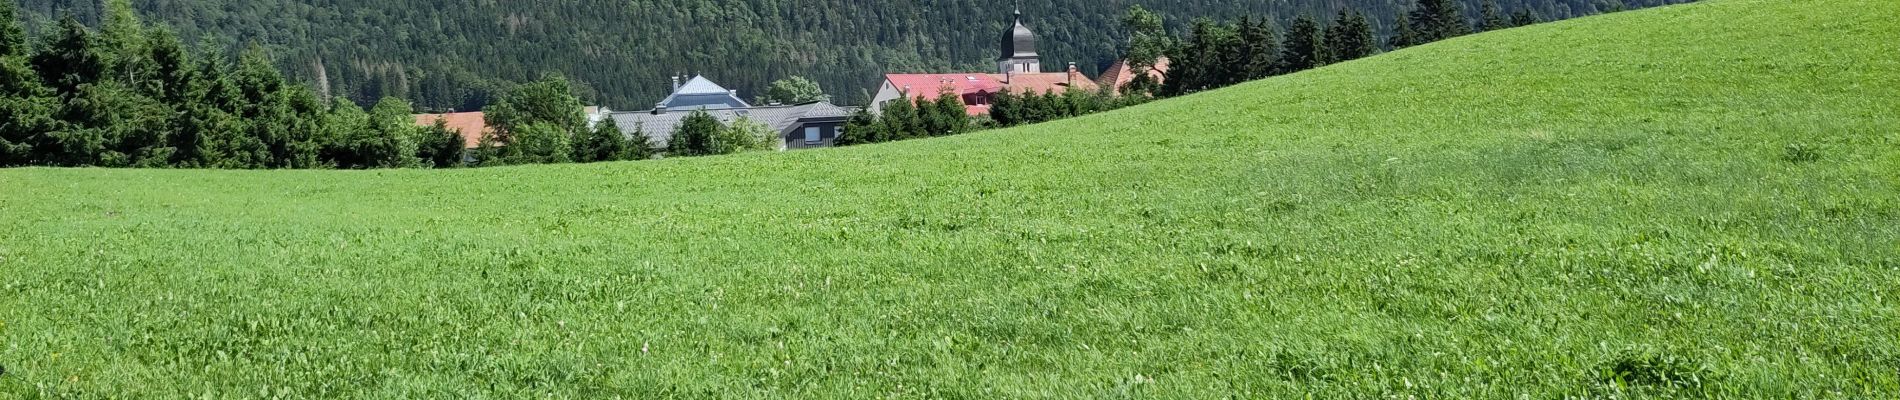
(68, 57)
(640, 146)
(1404, 35)
(947, 116)
(1006, 108)
(1190, 71)
(603, 143)
(695, 136)
(1303, 47)
(1523, 17)
(26, 106)
(1349, 38)
(1436, 20)
(1491, 17)
(901, 120)
(1260, 48)
(441, 146)
(861, 128)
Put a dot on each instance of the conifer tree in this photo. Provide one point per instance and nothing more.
(1006, 108)
(946, 115)
(1303, 47)
(696, 136)
(1491, 17)
(901, 120)
(25, 104)
(603, 143)
(1404, 35)
(861, 128)
(640, 146)
(441, 146)
(68, 57)
(1260, 49)
(1349, 38)
(1523, 17)
(1436, 20)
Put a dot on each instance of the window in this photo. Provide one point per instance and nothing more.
(811, 135)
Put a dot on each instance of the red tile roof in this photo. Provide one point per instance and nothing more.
(1119, 75)
(470, 124)
(977, 89)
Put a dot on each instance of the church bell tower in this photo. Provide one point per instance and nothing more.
(1019, 49)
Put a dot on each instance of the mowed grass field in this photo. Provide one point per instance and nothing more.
(1691, 201)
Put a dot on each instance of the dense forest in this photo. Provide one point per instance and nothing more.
(620, 53)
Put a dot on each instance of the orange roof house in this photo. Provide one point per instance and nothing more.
(471, 125)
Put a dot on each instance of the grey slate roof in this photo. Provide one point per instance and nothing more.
(700, 93)
(659, 127)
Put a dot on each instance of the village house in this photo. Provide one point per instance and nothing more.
(473, 125)
(1019, 70)
(806, 125)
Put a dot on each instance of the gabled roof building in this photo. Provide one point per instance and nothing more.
(814, 124)
(1019, 70)
(700, 93)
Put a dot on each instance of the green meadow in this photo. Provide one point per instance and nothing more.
(1697, 201)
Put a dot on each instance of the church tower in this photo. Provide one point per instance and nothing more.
(1019, 50)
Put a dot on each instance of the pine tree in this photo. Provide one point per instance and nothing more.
(210, 135)
(1492, 18)
(1303, 47)
(604, 143)
(123, 41)
(1349, 38)
(946, 115)
(1190, 71)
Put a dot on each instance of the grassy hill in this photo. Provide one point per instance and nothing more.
(1692, 201)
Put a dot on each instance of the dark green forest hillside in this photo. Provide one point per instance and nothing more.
(445, 55)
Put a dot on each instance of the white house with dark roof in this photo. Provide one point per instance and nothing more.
(808, 125)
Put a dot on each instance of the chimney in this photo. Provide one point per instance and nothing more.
(1072, 73)
(676, 83)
